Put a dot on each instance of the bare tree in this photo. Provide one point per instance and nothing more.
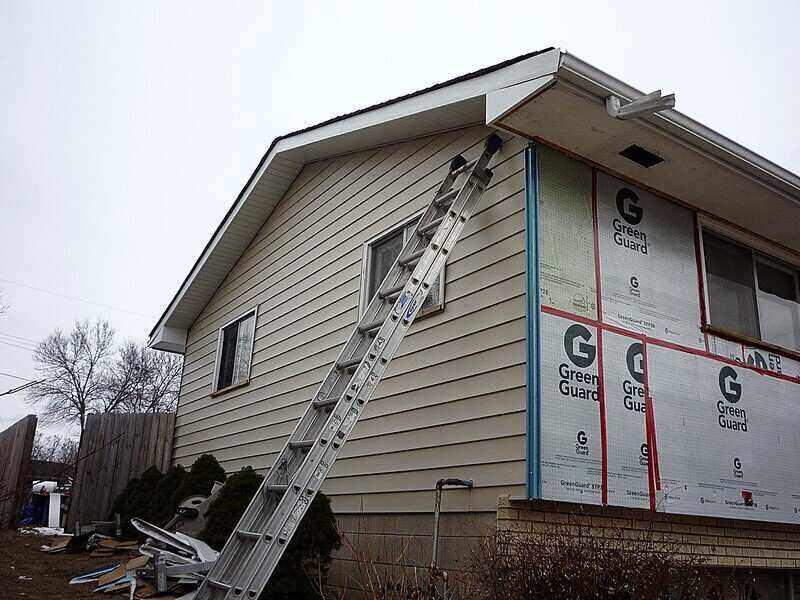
(145, 380)
(84, 373)
(55, 448)
(72, 367)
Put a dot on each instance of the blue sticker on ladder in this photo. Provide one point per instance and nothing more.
(410, 310)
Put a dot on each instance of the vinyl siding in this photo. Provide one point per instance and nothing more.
(453, 401)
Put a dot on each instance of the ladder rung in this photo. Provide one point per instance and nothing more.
(276, 487)
(465, 168)
(432, 226)
(218, 584)
(413, 258)
(346, 364)
(392, 290)
(250, 535)
(446, 198)
(371, 326)
(329, 401)
(301, 444)
(394, 295)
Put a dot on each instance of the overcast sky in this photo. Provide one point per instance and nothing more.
(127, 129)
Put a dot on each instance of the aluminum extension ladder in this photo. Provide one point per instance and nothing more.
(252, 552)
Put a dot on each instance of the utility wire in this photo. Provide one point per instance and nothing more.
(16, 341)
(7, 343)
(15, 376)
(24, 386)
(18, 337)
(76, 298)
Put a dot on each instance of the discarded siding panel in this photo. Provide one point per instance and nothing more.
(16, 444)
(303, 271)
(116, 448)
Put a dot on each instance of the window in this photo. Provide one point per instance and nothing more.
(751, 294)
(234, 352)
(379, 256)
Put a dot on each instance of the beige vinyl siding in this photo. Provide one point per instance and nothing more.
(453, 401)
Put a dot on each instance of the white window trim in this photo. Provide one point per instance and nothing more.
(759, 251)
(366, 258)
(218, 357)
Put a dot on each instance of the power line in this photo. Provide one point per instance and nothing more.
(24, 386)
(19, 337)
(15, 376)
(76, 298)
(3, 336)
(7, 343)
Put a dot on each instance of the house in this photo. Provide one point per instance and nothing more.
(616, 334)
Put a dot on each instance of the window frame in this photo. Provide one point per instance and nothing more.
(759, 251)
(215, 390)
(366, 264)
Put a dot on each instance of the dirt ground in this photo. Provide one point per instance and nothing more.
(50, 573)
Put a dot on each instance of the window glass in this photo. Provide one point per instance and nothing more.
(244, 347)
(382, 255)
(731, 287)
(236, 352)
(778, 306)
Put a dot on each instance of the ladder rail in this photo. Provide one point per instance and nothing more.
(323, 429)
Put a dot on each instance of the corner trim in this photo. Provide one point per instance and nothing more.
(533, 477)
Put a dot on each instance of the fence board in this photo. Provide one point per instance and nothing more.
(117, 447)
(16, 444)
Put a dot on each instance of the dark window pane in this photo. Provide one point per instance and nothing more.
(731, 288)
(383, 256)
(778, 308)
(778, 282)
(227, 359)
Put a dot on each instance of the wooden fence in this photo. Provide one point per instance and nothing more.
(16, 444)
(115, 449)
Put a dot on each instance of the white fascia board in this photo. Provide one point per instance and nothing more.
(503, 101)
(524, 70)
(679, 126)
(168, 339)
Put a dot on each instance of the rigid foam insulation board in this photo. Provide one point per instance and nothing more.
(566, 234)
(724, 432)
(647, 264)
(625, 406)
(571, 468)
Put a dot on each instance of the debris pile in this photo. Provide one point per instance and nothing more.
(168, 564)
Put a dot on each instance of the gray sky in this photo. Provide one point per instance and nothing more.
(127, 129)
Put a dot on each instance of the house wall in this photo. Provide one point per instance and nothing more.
(453, 401)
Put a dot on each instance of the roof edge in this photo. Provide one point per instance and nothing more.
(273, 149)
(672, 118)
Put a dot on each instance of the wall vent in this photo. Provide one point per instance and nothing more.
(640, 156)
